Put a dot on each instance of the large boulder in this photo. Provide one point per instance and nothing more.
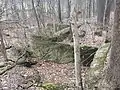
(60, 52)
(95, 73)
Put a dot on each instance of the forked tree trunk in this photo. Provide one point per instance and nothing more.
(113, 68)
(77, 58)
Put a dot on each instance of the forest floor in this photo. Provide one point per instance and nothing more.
(50, 72)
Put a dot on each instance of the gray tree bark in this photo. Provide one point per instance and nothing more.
(107, 19)
(68, 8)
(93, 7)
(113, 68)
(36, 16)
(24, 16)
(77, 58)
(89, 12)
(3, 50)
(107, 11)
(59, 11)
(77, 9)
(100, 11)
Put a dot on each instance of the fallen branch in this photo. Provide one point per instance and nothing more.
(7, 69)
(61, 32)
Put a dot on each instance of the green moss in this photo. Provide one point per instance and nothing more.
(53, 51)
(49, 48)
(51, 86)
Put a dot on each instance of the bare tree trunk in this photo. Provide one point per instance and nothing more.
(88, 8)
(107, 19)
(38, 24)
(68, 8)
(100, 11)
(89, 12)
(107, 11)
(3, 50)
(77, 58)
(41, 13)
(77, 8)
(6, 12)
(113, 68)
(24, 16)
(93, 7)
(59, 12)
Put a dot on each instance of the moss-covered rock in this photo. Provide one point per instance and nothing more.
(51, 50)
(51, 86)
(47, 49)
(95, 73)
